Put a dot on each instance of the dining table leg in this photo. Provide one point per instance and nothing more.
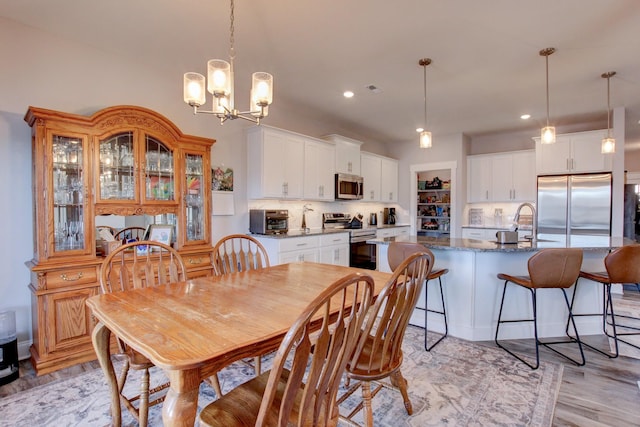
(181, 403)
(101, 338)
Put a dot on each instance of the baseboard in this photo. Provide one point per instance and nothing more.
(23, 349)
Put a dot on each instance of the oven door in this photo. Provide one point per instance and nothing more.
(362, 254)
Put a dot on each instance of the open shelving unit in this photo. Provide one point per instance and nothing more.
(433, 202)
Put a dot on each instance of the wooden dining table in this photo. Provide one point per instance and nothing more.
(195, 328)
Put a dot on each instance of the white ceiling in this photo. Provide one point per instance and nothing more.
(486, 69)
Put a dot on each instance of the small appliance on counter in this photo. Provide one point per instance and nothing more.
(264, 221)
(389, 216)
(504, 237)
(373, 218)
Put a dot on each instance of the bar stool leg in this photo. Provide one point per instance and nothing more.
(426, 312)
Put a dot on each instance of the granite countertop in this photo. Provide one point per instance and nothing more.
(445, 243)
(321, 231)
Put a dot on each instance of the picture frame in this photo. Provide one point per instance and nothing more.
(162, 233)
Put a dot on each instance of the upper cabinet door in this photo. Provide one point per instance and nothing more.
(67, 194)
(389, 180)
(158, 171)
(524, 176)
(578, 152)
(479, 179)
(371, 167)
(347, 159)
(319, 174)
(117, 169)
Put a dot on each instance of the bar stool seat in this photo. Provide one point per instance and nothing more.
(623, 266)
(551, 268)
(398, 251)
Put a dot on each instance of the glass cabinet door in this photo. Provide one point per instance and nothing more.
(68, 189)
(117, 179)
(194, 197)
(159, 171)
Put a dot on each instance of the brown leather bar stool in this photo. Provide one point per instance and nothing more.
(623, 266)
(398, 252)
(552, 268)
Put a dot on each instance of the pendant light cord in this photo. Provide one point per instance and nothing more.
(424, 68)
(608, 108)
(547, 62)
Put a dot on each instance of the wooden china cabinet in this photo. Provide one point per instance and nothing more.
(122, 160)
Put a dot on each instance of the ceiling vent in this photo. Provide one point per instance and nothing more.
(374, 88)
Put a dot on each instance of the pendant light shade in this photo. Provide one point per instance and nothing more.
(425, 135)
(548, 133)
(608, 143)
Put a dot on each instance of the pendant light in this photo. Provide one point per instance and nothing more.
(425, 135)
(548, 133)
(608, 143)
(220, 84)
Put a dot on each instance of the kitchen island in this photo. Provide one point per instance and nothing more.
(472, 289)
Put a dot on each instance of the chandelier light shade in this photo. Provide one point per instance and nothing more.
(608, 143)
(219, 83)
(425, 135)
(548, 133)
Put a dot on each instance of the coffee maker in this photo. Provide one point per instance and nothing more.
(389, 216)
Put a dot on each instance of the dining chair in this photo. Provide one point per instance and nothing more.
(397, 252)
(549, 268)
(379, 354)
(129, 233)
(622, 266)
(301, 387)
(137, 265)
(236, 253)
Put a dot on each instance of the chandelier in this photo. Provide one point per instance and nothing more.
(425, 135)
(608, 143)
(548, 133)
(220, 85)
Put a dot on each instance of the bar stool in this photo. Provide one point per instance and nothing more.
(398, 252)
(623, 266)
(548, 269)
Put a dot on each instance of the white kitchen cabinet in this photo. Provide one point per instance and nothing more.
(331, 248)
(479, 179)
(388, 180)
(573, 153)
(513, 177)
(319, 174)
(370, 168)
(334, 249)
(347, 154)
(380, 178)
(503, 177)
(392, 232)
(275, 164)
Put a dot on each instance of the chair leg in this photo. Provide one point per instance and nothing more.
(535, 328)
(366, 404)
(257, 365)
(397, 380)
(572, 340)
(615, 326)
(426, 312)
(606, 300)
(215, 383)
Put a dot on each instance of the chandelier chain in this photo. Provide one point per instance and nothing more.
(232, 52)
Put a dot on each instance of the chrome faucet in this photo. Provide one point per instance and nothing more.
(534, 220)
(305, 209)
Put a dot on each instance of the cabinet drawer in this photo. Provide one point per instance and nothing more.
(298, 243)
(334, 239)
(71, 276)
(197, 260)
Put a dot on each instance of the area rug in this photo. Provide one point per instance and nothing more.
(458, 383)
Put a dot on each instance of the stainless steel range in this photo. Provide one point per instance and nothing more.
(361, 253)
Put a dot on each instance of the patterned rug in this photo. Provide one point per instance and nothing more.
(458, 383)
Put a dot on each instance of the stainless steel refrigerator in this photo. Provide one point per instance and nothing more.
(574, 204)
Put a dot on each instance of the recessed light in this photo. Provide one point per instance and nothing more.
(419, 130)
(348, 94)
(525, 116)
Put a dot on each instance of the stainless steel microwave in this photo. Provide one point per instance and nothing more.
(263, 221)
(348, 187)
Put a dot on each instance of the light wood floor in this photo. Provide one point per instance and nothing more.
(604, 392)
